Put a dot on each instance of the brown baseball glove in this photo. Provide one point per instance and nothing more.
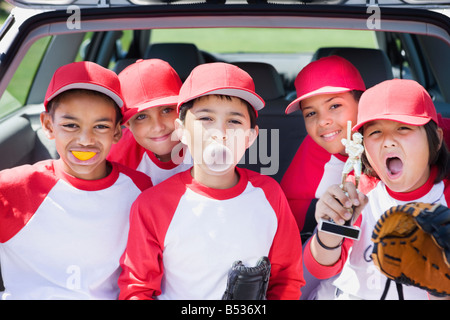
(412, 246)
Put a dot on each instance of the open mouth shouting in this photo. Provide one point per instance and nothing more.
(394, 166)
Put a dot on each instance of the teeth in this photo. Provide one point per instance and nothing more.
(330, 134)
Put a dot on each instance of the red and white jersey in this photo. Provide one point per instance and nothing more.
(359, 276)
(62, 237)
(184, 238)
(312, 170)
(131, 154)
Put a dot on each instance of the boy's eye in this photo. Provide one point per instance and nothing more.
(309, 114)
(70, 125)
(373, 132)
(335, 106)
(167, 110)
(235, 121)
(102, 126)
(141, 116)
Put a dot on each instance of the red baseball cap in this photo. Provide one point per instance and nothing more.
(400, 100)
(84, 75)
(220, 78)
(327, 75)
(147, 84)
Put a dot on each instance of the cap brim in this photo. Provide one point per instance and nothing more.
(295, 105)
(255, 100)
(406, 119)
(166, 101)
(88, 86)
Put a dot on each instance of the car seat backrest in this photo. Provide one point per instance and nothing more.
(279, 134)
(183, 57)
(17, 141)
(23, 144)
(373, 64)
(268, 82)
(122, 64)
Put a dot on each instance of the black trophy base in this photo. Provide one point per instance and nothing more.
(344, 231)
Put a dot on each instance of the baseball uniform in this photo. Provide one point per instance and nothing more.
(62, 237)
(131, 154)
(359, 277)
(183, 245)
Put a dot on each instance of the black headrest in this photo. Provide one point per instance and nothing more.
(183, 57)
(373, 64)
(268, 82)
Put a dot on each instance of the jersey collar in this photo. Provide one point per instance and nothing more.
(87, 185)
(419, 192)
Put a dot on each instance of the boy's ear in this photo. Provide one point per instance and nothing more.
(117, 133)
(253, 134)
(179, 131)
(440, 133)
(47, 125)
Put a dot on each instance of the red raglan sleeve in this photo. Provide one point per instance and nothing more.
(127, 151)
(286, 277)
(142, 261)
(324, 272)
(140, 179)
(22, 190)
(302, 178)
(142, 266)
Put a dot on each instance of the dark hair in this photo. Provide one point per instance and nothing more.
(438, 157)
(356, 94)
(188, 105)
(53, 104)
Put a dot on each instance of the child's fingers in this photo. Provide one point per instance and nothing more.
(352, 193)
(363, 200)
(334, 205)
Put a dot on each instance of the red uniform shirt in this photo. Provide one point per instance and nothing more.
(184, 237)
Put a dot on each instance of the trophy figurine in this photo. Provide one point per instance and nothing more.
(354, 149)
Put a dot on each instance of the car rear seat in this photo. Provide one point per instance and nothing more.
(22, 143)
(279, 134)
(373, 64)
(122, 64)
(183, 57)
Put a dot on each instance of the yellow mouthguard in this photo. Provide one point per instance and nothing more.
(83, 155)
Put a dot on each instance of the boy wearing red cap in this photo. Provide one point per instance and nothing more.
(64, 223)
(150, 89)
(214, 214)
(406, 152)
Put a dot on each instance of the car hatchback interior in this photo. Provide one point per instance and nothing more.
(395, 54)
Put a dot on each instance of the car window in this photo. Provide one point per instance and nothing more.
(269, 40)
(288, 50)
(16, 93)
